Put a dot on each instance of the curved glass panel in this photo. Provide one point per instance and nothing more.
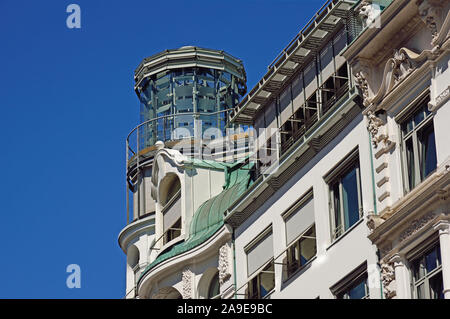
(176, 104)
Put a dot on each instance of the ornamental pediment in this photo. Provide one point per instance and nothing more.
(396, 54)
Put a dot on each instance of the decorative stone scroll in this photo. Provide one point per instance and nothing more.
(396, 69)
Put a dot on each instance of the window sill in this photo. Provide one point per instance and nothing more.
(345, 233)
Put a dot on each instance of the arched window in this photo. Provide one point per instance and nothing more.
(170, 200)
(214, 287)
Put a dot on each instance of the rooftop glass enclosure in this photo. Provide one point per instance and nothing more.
(185, 97)
(185, 93)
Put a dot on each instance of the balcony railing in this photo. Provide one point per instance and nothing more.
(316, 106)
(172, 128)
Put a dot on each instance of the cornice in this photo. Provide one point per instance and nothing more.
(172, 265)
(413, 208)
(132, 230)
(368, 34)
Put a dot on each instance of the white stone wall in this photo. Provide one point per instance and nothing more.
(334, 261)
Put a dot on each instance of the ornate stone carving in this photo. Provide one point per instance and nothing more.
(224, 264)
(431, 12)
(417, 225)
(361, 83)
(388, 279)
(368, 12)
(373, 126)
(403, 65)
(396, 69)
(439, 100)
(186, 278)
(373, 221)
(361, 69)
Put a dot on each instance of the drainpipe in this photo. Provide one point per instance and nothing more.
(234, 263)
(375, 203)
(373, 176)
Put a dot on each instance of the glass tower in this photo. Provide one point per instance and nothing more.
(187, 93)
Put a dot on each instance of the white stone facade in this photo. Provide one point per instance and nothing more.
(398, 61)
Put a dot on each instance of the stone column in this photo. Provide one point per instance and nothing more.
(443, 226)
(402, 279)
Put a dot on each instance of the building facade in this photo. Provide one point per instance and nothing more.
(329, 179)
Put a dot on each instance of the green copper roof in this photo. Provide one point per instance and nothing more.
(209, 216)
(202, 163)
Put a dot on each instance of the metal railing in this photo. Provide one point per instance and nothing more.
(194, 140)
(303, 32)
(141, 138)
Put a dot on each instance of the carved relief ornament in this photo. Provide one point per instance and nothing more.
(396, 69)
(388, 279)
(186, 278)
(432, 14)
(374, 127)
(224, 264)
(417, 225)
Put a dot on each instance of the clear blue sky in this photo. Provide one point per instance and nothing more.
(68, 103)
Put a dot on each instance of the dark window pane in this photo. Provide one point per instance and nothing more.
(407, 127)
(308, 246)
(438, 249)
(358, 291)
(350, 198)
(436, 287)
(336, 206)
(421, 291)
(410, 163)
(419, 117)
(419, 269)
(431, 260)
(427, 151)
(214, 287)
(253, 288)
(267, 280)
(293, 259)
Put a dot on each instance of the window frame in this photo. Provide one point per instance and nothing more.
(296, 243)
(256, 276)
(334, 177)
(413, 135)
(341, 288)
(427, 276)
(344, 294)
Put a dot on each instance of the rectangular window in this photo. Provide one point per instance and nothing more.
(354, 285)
(357, 290)
(263, 283)
(260, 261)
(426, 274)
(418, 143)
(173, 232)
(345, 195)
(299, 217)
(301, 251)
(172, 217)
